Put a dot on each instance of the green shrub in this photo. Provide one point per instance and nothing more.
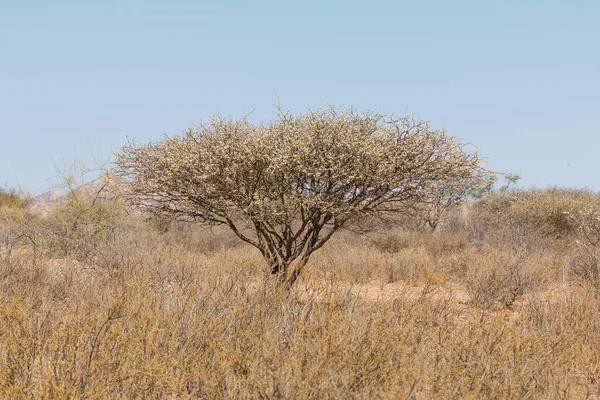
(12, 199)
(84, 219)
(16, 222)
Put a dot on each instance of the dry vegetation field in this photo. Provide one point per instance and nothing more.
(97, 303)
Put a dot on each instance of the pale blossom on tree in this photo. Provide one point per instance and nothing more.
(288, 185)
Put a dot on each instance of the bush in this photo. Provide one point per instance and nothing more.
(585, 265)
(12, 199)
(530, 216)
(84, 219)
(499, 280)
(16, 222)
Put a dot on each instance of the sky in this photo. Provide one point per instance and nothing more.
(518, 79)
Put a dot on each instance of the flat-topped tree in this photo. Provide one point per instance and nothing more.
(287, 186)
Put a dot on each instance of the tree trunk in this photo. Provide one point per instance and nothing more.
(281, 271)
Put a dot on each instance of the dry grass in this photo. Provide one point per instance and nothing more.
(159, 312)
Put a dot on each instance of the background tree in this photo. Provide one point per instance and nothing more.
(448, 193)
(287, 186)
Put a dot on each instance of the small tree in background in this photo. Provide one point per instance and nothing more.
(448, 193)
(87, 215)
(287, 186)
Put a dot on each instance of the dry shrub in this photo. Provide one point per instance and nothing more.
(394, 241)
(171, 323)
(566, 323)
(409, 257)
(435, 243)
(177, 313)
(193, 237)
(410, 265)
(440, 244)
(533, 215)
(417, 257)
(585, 266)
(350, 262)
(18, 226)
(585, 263)
(500, 278)
(82, 221)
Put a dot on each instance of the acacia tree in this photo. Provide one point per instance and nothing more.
(288, 185)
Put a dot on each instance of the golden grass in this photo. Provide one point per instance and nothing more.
(191, 315)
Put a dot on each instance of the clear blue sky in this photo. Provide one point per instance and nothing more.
(520, 79)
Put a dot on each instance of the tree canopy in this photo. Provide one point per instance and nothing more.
(286, 186)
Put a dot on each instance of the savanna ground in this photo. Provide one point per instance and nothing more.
(99, 303)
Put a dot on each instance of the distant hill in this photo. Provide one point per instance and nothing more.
(104, 187)
(44, 202)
